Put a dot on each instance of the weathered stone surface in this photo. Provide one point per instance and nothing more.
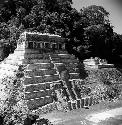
(34, 104)
(48, 99)
(37, 87)
(51, 78)
(29, 80)
(32, 61)
(36, 56)
(74, 76)
(34, 95)
(40, 66)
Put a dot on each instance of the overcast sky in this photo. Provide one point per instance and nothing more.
(114, 7)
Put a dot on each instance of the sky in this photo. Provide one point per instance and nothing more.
(114, 7)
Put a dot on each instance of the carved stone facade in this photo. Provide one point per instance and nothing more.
(36, 40)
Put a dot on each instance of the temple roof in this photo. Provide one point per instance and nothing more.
(35, 36)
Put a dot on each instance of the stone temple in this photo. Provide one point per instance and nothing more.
(48, 70)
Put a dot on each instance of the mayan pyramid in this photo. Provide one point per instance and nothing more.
(41, 71)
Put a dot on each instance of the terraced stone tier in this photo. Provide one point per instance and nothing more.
(80, 103)
(58, 60)
(63, 56)
(31, 51)
(73, 96)
(77, 92)
(41, 73)
(39, 102)
(66, 56)
(36, 56)
(33, 95)
(74, 75)
(37, 87)
(33, 61)
(40, 66)
(38, 94)
(41, 79)
(31, 73)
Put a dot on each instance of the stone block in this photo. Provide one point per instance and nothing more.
(56, 59)
(33, 61)
(40, 66)
(41, 93)
(29, 73)
(34, 95)
(31, 51)
(86, 102)
(48, 92)
(31, 95)
(33, 56)
(39, 79)
(29, 80)
(48, 85)
(64, 56)
(31, 104)
(36, 103)
(71, 65)
(72, 94)
(74, 105)
(90, 101)
(39, 73)
(78, 103)
(70, 105)
(50, 72)
(82, 102)
(51, 78)
(47, 100)
(73, 70)
(38, 87)
(74, 76)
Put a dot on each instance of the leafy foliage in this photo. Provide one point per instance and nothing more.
(88, 32)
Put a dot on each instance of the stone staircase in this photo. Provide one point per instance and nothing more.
(71, 64)
(41, 71)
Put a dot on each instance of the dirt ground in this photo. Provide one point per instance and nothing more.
(76, 116)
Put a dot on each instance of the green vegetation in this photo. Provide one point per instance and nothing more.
(88, 32)
(102, 84)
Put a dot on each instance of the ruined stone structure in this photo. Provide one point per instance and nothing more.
(43, 41)
(44, 70)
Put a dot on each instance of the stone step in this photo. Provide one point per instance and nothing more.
(65, 61)
(32, 61)
(35, 103)
(73, 70)
(36, 87)
(55, 59)
(66, 56)
(40, 66)
(74, 76)
(33, 95)
(80, 103)
(77, 91)
(61, 52)
(40, 79)
(31, 73)
(39, 102)
(31, 51)
(36, 56)
(37, 94)
(52, 78)
(72, 94)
